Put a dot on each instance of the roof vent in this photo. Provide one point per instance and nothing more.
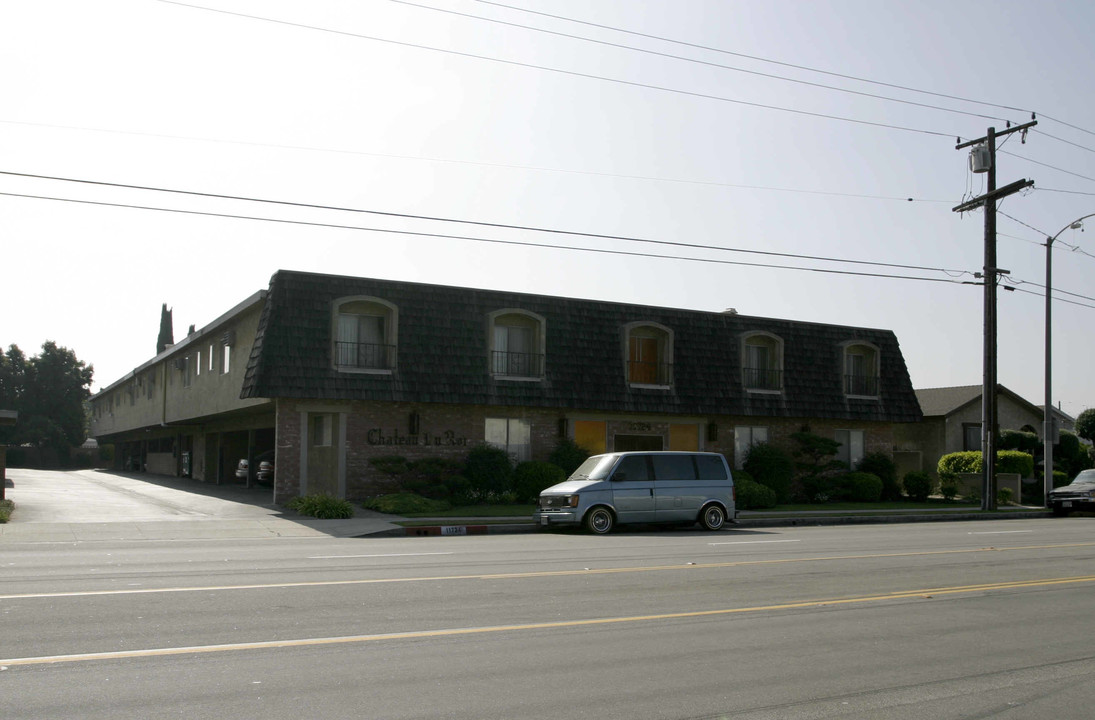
(730, 311)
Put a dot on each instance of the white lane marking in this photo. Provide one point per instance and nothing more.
(753, 542)
(1000, 532)
(336, 557)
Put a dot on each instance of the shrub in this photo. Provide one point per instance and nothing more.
(6, 507)
(1013, 461)
(950, 466)
(751, 495)
(405, 504)
(1004, 495)
(949, 488)
(529, 478)
(882, 466)
(568, 455)
(489, 471)
(861, 487)
(436, 478)
(918, 485)
(771, 466)
(1018, 440)
(323, 507)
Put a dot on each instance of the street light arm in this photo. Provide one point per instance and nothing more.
(1072, 225)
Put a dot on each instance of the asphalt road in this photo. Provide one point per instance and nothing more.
(939, 620)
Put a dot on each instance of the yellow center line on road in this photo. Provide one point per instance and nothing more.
(535, 574)
(451, 632)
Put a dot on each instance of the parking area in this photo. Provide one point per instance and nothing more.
(78, 505)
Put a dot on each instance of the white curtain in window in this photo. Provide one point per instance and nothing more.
(745, 438)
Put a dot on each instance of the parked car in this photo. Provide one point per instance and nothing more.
(265, 474)
(1077, 495)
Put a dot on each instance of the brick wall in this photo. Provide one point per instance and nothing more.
(416, 431)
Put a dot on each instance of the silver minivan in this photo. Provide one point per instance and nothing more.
(642, 487)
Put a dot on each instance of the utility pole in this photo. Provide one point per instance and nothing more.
(983, 159)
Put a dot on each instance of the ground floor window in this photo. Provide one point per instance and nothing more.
(591, 434)
(684, 437)
(746, 437)
(971, 437)
(513, 435)
(851, 447)
(321, 430)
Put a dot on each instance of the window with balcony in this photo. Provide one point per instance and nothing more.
(365, 335)
(649, 355)
(762, 362)
(516, 344)
(861, 370)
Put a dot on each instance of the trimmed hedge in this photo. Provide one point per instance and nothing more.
(751, 495)
(405, 504)
(861, 487)
(918, 485)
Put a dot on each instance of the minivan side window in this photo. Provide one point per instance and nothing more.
(711, 467)
(632, 468)
(674, 467)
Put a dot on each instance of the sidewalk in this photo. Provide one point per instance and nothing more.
(89, 505)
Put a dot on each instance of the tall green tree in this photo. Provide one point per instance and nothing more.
(1085, 424)
(49, 391)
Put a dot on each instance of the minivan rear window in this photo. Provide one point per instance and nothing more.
(711, 467)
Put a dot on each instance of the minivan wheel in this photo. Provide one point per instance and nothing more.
(713, 517)
(600, 521)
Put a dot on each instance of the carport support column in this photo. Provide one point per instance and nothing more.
(251, 469)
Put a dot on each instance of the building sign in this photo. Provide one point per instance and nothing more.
(377, 436)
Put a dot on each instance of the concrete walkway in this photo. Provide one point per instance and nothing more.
(88, 505)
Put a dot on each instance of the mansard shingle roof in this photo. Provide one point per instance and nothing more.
(443, 348)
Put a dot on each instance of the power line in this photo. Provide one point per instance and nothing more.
(572, 73)
(1051, 167)
(507, 166)
(524, 228)
(1066, 142)
(695, 60)
(485, 240)
(757, 58)
(784, 64)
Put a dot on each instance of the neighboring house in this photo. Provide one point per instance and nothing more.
(952, 422)
(339, 370)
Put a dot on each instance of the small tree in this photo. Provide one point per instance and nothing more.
(1085, 425)
(489, 471)
(772, 467)
(816, 465)
(568, 455)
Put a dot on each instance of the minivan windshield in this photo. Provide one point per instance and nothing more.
(594, 468)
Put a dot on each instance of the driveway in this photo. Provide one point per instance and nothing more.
(99, 505)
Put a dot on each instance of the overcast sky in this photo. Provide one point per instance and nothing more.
(712, 130)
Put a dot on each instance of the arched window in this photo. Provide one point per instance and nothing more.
(762, 362)
(860, 369)
(516, 344)
(365, 333)
(649, 354)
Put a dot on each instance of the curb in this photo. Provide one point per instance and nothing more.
(459, 529)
